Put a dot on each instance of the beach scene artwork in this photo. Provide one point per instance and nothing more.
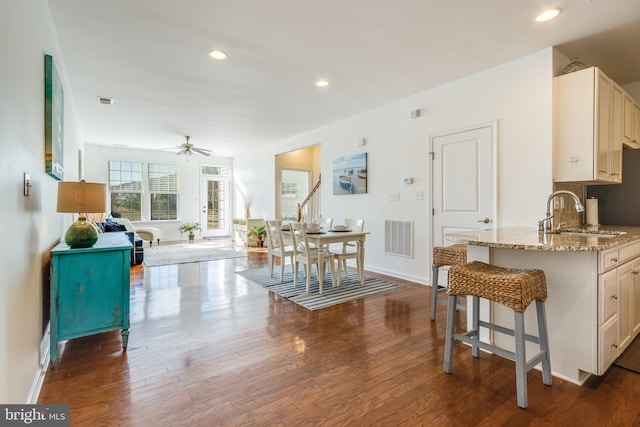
(350, 175)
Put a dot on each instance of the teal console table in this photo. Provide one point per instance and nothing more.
(90, 290)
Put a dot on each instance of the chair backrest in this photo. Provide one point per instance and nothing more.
(299, 239)
(325, 222)
(354, 224)
(272, 226)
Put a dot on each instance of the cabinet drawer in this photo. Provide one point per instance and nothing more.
(608, 344)
(627, 252)
(607, 260)
(607, 295)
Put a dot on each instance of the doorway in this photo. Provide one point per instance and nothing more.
(294, 187)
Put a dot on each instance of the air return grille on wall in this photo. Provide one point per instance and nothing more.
(398, 238)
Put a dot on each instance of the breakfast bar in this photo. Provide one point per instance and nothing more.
(593, 288)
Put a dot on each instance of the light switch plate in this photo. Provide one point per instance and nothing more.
(27, 185)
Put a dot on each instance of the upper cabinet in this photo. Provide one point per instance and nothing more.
(588, 128)
(631, 122)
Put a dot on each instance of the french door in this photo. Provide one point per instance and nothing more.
(215, 216)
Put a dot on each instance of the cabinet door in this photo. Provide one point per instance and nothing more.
(607, 295)
(625, 284)
(628, 119)
(608, 339)
(635, 291)
(616, 137)
(603, 129)
(636, 126)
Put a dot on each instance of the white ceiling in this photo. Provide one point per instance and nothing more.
(151, 57)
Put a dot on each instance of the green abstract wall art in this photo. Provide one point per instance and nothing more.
(53, 120)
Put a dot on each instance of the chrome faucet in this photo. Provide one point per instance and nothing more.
(545, 224)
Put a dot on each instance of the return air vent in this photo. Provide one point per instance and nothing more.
(398, 238)
(105, 101)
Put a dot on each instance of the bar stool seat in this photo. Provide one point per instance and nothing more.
(445, 256)
(512, 288)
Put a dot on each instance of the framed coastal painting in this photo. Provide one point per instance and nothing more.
(350, 175)
(53, 120)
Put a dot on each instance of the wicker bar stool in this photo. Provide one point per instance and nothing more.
(513, 288)
(445, 256)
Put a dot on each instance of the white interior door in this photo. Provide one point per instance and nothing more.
(215, 218)
(463, 194)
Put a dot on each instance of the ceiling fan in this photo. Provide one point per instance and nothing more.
(188, 149)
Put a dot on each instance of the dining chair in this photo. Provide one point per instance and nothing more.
(325, 223)
(278, 247)
(349, 249)
(303, 253)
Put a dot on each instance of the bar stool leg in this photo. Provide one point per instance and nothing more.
(434, 292)
(521, 360)
(475, 324)
(544, 342)
(448, 340)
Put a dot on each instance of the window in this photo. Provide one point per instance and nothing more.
(125, 187)
(215, 170)
(163, 191)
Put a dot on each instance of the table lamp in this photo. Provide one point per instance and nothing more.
(81, 198)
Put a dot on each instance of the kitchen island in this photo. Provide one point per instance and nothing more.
(593, 288)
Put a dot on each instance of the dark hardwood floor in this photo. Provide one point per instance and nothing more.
(209, 348)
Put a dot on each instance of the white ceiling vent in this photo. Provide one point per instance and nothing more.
(105, 101)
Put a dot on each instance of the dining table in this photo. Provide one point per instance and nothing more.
(322, 240)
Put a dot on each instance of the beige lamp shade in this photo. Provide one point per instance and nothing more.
(82, 197)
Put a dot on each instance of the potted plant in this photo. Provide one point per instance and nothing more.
(189, 227)
(258, 232)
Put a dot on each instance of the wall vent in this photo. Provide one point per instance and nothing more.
(398, 238)
(105, 101)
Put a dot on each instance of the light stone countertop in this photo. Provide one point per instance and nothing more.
(528, 238)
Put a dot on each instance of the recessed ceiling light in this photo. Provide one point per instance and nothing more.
(218, 54)
(322, 83)
(549, 14)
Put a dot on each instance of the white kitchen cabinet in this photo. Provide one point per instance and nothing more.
(625, 306)
(618, 301)
(588, 128)
(631, 120)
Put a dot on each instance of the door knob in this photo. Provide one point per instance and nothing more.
(486, 220)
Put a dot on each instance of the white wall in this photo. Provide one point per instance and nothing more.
(32, 226)
(517, 94)
(189, 205)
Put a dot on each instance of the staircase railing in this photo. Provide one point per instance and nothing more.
(308, 198)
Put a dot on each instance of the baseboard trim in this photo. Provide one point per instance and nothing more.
(41, 372)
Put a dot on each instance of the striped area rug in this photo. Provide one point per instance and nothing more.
(350, 288)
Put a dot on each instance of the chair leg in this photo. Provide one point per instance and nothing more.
(308, 270)
(333, 271)
(339, 271)
(544, 342)
(448, 340)
(282, 259)
(475, 322)
(295, 274)
(434, 291)
(521, 360)
(270, 259)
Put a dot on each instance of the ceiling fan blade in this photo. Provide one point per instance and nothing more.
(183, 150)
(202, 151)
